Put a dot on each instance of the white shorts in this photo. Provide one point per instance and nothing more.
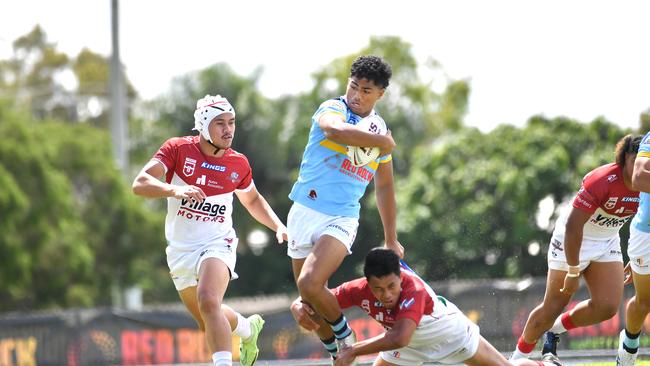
(638, 249)
(590, 251)
(305, 226)
(451, 339)
(184, 263)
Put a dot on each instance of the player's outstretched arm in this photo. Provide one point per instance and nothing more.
(148, 184)
(257, 206)
(387, 205)
(397, 337)
(335, 129)
(572, 243)
(641, 175)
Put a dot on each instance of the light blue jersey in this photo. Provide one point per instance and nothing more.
(328, 182)
(641, 220)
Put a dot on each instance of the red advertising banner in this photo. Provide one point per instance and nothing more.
(151, 337)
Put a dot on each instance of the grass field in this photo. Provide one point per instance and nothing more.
(609, 363)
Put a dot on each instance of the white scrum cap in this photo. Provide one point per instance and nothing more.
(207, 109)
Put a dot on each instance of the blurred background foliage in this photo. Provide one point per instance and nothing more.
(472, 204)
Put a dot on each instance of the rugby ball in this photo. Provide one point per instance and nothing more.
(359, 155)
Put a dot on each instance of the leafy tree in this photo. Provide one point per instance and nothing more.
(92, 72)
(30, 76)
(644, 122)
(36, 75)
(469, 203)
(71, 227)
(72, 230)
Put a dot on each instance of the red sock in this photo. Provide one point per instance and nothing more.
(524, 347)
(540, 363)
(567, 323)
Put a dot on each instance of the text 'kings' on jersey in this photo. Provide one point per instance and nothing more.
(604, 195)
(642, 219)
(189, 223)
(328, 182)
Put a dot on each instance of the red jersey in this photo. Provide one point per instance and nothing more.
(190, 223)
(604, 195)
(417, 301)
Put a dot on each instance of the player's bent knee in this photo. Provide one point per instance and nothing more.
(209, 304)
(606, 311)
(308, 288)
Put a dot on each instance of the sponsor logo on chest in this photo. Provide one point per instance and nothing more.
(631, 199)
(215, 167)
(407, 303)
(202, 181)
(359, 173)
(203, 211)
(611, 203)
(210, 209)
(608, 221)
(188, 167)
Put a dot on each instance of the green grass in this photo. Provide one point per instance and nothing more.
(609, 363)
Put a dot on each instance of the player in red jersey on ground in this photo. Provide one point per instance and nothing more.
(420, 326)
(586, 243)
(201, 173)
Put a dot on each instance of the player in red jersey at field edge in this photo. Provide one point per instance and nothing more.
(586, 243)
(420, 326)
(201, 173)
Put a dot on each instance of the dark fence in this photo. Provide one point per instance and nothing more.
(169, 335)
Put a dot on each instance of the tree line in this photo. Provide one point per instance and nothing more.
(72, 231)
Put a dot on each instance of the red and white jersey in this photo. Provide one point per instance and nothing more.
(190, 224)
(417, 301)
(604, 195)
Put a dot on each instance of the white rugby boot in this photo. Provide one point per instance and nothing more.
(623, 357)
(347, 342)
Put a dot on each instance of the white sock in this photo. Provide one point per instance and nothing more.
(222, 358)
(243, 329)
(517, 354)
(558, 327)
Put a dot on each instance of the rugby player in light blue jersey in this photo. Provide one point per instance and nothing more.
(324, 218)
(638, 250)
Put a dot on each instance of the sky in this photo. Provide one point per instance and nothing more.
(580, 59)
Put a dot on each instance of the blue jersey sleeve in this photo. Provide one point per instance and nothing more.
(335, 106)
(644, 148)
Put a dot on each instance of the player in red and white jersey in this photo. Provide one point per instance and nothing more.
(201, 174)
(420, 326)
(192, 223)
(586, 243)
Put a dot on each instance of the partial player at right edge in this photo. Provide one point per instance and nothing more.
(586, 243)
(638, 250)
